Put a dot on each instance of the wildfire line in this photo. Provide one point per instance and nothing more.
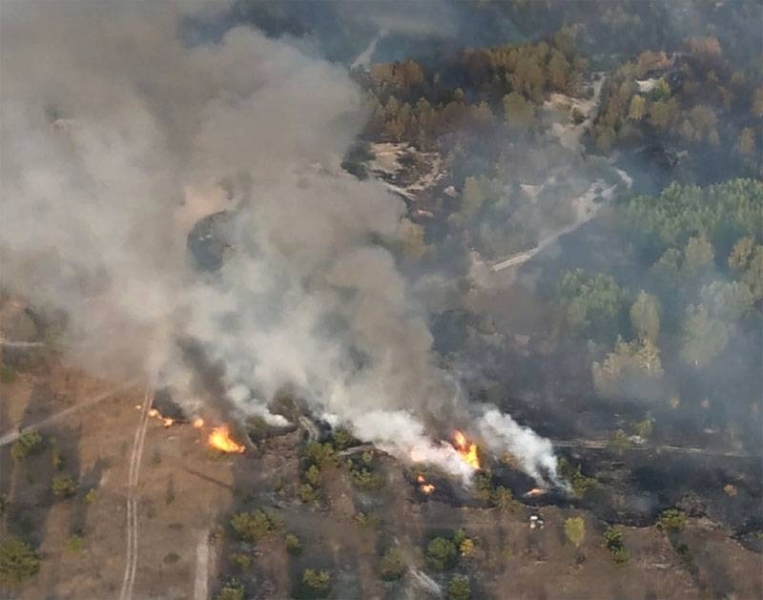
(131, 558)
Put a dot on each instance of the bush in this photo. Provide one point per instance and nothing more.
(574, 530)
(293, 545)
(580, 483)
(307, 493)
(320, 455)
(233, 590)
(313, 476)
(91, 496)
(343, 439)
(75, 543)
(251, 526)
(459, 588)
(4, 504)
(18, 561)
(365, 479)
(442, 554)
(672, 520)
(241, 560)
(29, 443)
(7, 374)
(392, 565)
(316, 584)
(503, 499)
(63, 486)
(613, 538)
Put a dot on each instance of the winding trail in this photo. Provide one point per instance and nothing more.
(201, 579)
(131, 558)
(11, 436)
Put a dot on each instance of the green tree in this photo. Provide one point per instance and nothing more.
(315, 583)
(392, 565)
(699, 256)
(64, 486)
(591, 304)
(645, 316)
(232, 590)
(459, 588)
(728, 301)
(632, 368)
(746, 259)
(574, 530)
(746, 142)
(472, 198)
(637, 108)
(252, 526)
(18, 561)
(29, 443)
(613, 540)
(703, 337)
(518, 111)
(672, 520)
(558, 67)
(442, 554)
(659, 115)
(293, 545)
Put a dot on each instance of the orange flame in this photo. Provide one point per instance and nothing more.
(220, 439)
(426, 488)
(467, 450)
(198, 423)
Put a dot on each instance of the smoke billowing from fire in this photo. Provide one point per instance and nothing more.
(121, 137)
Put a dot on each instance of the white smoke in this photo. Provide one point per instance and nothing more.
(503, 434)
(118, 140)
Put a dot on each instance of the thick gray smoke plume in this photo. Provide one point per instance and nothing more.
(116, 139)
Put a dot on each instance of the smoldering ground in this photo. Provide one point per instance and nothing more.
(120, 137)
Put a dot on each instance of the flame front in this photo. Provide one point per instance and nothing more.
(467, 450)
(220, 439)
(426, 488)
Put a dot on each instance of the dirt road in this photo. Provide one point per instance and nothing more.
(131, 558)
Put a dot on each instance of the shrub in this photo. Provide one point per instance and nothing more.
(613, 538)
(75, 543)
(320, 455)
(29, 443)
(293, 545)
(343, 439)
(316, 584)
(7, 374)
(459, 588)
(365, 479)
(392, 565)
(233, 590)
(307, 493)
(251, 526)
(171, 558)
(63, 486)
(672, 520)
(91, 496)
(442, 554)
(18, 561)
(503, 499)
(574, 530)
(313, 476)
(4, 504)
(241, 560)
(580, 483)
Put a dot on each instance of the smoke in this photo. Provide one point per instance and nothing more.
(121, 138)
(536, 454)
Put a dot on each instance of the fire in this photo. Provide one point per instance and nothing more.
(198, 423)
(155, 414)
(426, 488)
(220, 439)
(466, 449)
